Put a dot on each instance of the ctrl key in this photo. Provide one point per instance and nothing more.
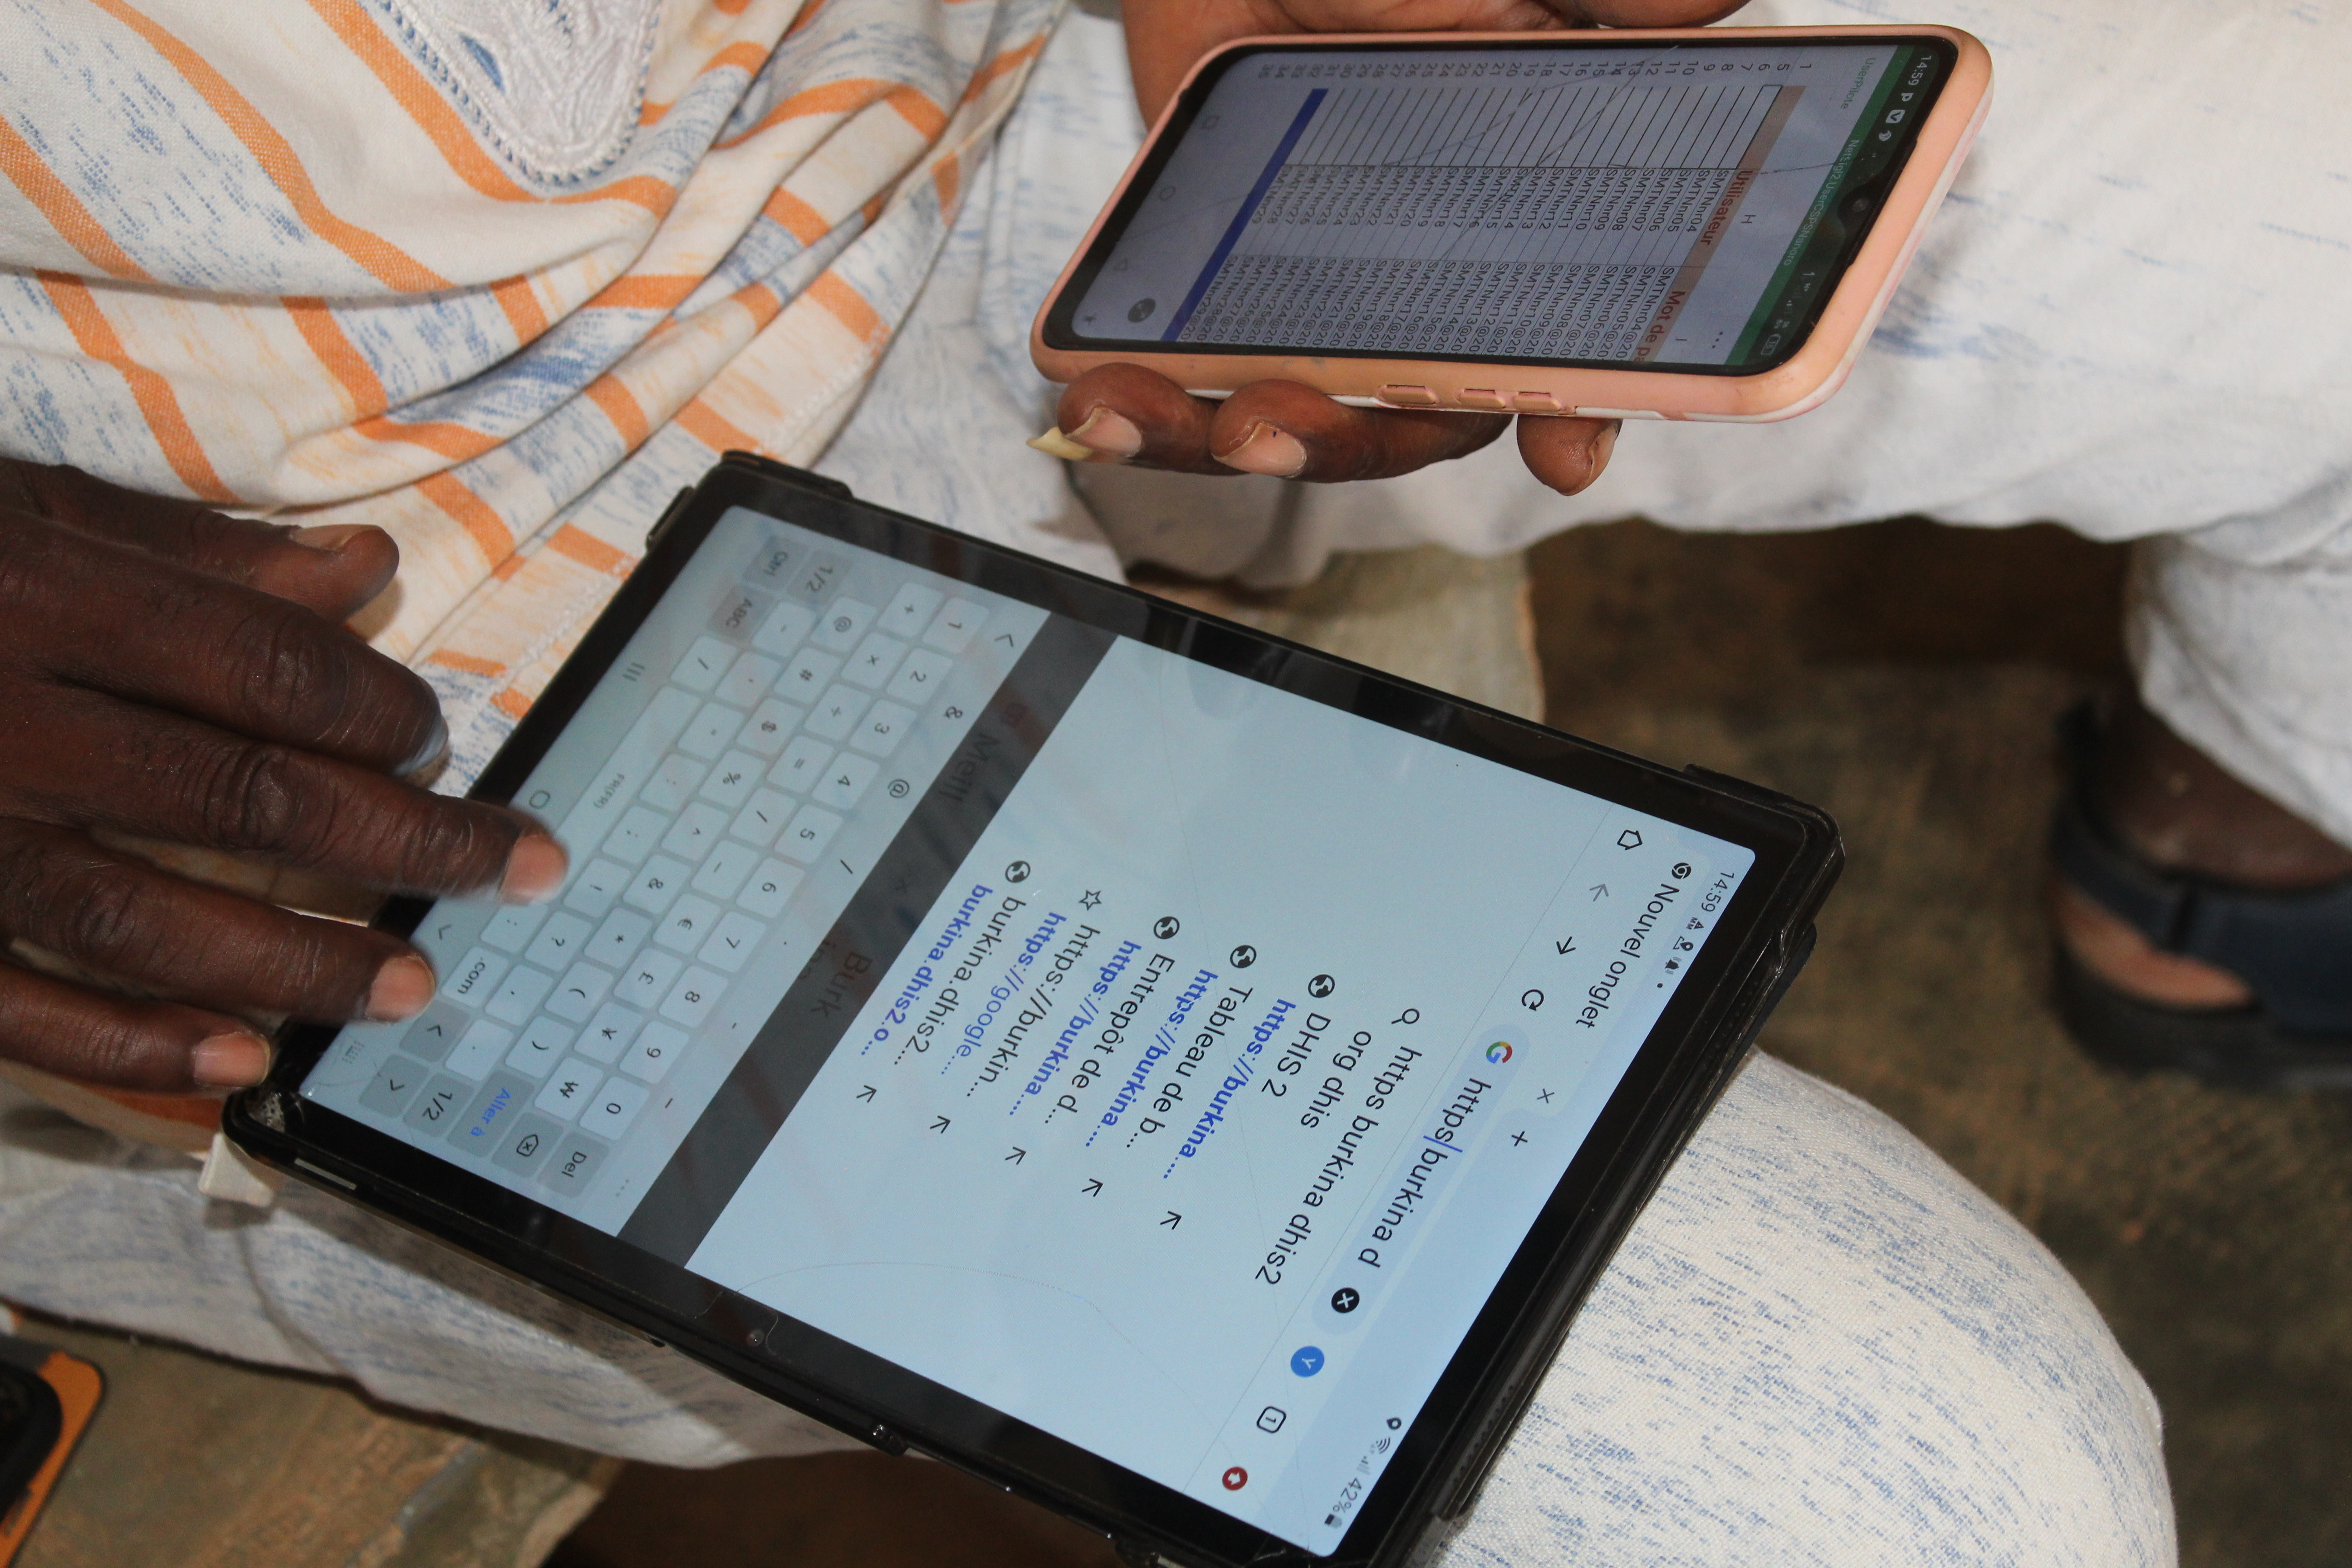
(528, 1144)
(572, 1166)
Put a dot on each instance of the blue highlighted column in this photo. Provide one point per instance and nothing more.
(1240, 219)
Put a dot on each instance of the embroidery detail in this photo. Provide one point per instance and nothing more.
(553, 86)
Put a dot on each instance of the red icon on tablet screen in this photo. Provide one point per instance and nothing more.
(1237, 1478)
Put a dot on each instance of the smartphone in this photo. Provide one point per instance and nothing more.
(1694, 223)
(1175, 1075)
(46, 1399)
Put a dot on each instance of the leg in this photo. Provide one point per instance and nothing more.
(2176, 808)
(1820, 1346)
(95, 1228)
(2204, 901)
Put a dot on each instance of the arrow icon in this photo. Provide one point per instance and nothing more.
(938, 1124)
(1005, 637)
(1565, 948)
(865, 1093)
(1092, 1189)
(1018, 1155)
(1173, 1219)
(1600, 890)
(441, 931)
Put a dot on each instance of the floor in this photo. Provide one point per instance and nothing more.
(1906, 678)
(197, 1462)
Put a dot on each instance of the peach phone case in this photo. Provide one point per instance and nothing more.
(1802, 382)
(79, 1388)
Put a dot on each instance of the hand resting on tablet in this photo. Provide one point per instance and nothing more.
(171, 674)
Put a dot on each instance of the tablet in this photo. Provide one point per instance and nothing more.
(1183, 1076)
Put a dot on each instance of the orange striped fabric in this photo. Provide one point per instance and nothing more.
(324, 259)
(63, 209)
(158, 404)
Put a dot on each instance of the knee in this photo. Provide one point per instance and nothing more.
(1820, 1344)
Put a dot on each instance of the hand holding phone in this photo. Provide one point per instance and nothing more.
(1678, 224)
(1131, 414)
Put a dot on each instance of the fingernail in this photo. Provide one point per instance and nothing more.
(238, 1060)
(329, 536)
(401, 988)
(1108, 433)
(1602, 445)
(535, 869)
(1053, 444)
(435, 743)
(1267, 450)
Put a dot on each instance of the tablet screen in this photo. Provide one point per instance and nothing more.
(1686, 205)
(1166, 1059)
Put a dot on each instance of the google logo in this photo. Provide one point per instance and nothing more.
(1499, 1052)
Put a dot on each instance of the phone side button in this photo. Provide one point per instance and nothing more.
(1404, 396)
(1480, 397)
(1537, 403)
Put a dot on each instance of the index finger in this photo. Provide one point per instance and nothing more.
(1125, 413)
(332, 570)
(135, 626)
(181, 781)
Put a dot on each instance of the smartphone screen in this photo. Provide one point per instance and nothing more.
(1684, 206)
(1167, 1060)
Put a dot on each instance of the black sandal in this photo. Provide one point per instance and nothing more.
(2293, 950)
